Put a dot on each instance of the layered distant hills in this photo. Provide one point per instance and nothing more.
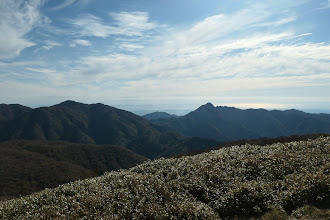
(95, 124)
(94, 139)
(158, 115)
(48, 146)
(228, 123)
(101, 124)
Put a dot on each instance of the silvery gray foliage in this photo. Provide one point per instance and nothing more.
(247, 181)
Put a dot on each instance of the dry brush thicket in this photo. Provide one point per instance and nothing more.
(278, 181)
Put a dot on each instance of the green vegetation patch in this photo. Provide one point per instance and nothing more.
(277, 181)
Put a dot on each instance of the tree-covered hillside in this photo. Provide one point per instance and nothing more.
(12, 111)
(30, 166)
(228, 123)
(93, 124)
(278, 181)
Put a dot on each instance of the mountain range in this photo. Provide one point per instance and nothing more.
(101, 124)
(94, 124)
(47, 146)
(228, 123)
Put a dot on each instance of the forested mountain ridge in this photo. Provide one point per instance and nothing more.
(79, 123)
(101, 124)
(93, 124)
(229, 123)
(12, 111)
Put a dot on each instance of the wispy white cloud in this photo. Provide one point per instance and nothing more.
(306, 34)
(40, 70)
(90, 25)
(279, 22)
(17, 18)
(251, 57)
(214, 63)
(15, 69)
(130, 47)
(49, 44)
(64, 4)
(80, 42)
(131, 24)
(220, 56)
(219, 26)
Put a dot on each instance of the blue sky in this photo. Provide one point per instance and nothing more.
(166, 54)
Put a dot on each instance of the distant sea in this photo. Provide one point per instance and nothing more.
(178, 112)
(181, 112)
(181, 109)
(317, 111)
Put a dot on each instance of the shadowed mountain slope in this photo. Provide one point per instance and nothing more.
(91, 124)
(206, 122)
(28, 166)
(228, 123)
(80, 123)
(277, 123)
(12, 111)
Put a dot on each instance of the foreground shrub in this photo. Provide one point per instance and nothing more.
(275, 215)
(277, 181)
(310, 212)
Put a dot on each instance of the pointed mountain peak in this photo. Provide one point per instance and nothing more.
(72, 104)
(207, 106)
(69, 103)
